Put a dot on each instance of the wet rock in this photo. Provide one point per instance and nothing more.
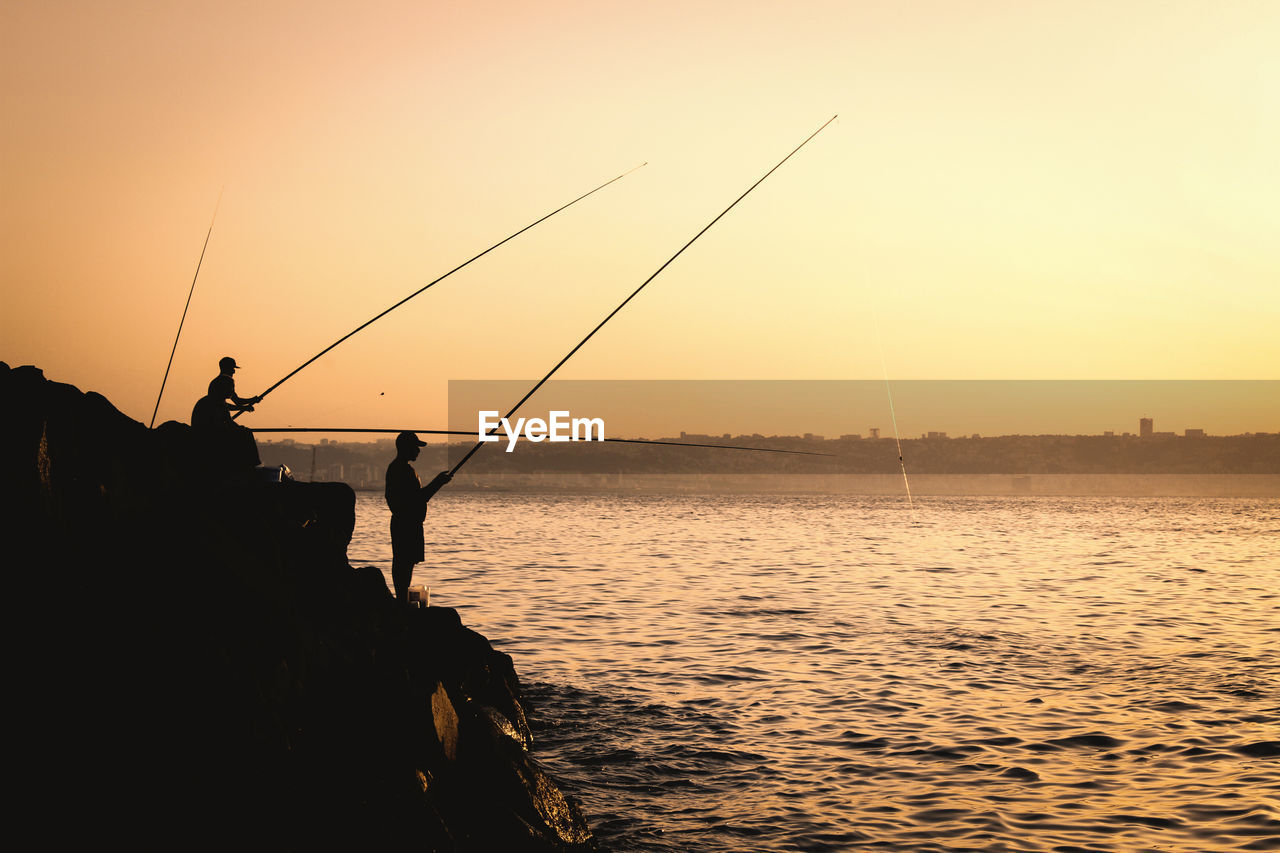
(445, 719)
(200, 666)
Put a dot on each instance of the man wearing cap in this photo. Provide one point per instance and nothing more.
(228, 444)
(407, 498)
(227, 367)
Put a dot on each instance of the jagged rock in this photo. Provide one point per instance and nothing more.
(199, 666)
(445, 719)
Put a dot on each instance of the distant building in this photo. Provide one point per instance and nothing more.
(853, 436)
(875, 432)
(936, 434)
(1109, 433)
(1145, 427)
(808, 436)
(1194, 433)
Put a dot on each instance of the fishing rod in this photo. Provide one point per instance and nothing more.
(184, 309)
(430, 284)
(581, 343)
(470, 432)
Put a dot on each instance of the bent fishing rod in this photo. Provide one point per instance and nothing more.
(194, 279)
(434, 282)
(471, 432)
(705, 229)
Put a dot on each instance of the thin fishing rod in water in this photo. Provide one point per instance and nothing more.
(893, 415)
(707, 227)
(434, 282)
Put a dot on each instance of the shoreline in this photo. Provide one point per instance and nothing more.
(922, 485)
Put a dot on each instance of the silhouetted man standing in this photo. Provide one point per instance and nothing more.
(407, 498)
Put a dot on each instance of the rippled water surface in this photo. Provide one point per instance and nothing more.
(822, 673)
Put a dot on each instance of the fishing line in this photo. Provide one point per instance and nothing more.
(185, 307)
(430, 284)
(581, 343)
(875, 318)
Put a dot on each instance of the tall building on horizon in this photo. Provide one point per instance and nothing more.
(1145, 427)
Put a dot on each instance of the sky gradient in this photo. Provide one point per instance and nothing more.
(1057, 190)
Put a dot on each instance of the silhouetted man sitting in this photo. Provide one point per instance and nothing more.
(226, 441)
(407, 498)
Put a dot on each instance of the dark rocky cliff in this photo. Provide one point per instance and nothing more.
(194, 663)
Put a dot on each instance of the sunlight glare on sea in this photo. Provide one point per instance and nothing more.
(727, 673)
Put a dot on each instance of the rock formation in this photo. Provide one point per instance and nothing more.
(196, 664)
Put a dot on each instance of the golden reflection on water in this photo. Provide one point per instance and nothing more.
(819, 673)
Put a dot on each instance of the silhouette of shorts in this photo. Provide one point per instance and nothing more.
(407, 541)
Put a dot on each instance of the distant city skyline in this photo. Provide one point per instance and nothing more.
(842, 407)
(323, 439)
(362, 463)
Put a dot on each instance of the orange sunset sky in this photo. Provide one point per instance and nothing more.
(1022, 190)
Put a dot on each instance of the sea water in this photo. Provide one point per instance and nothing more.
(742, 673)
